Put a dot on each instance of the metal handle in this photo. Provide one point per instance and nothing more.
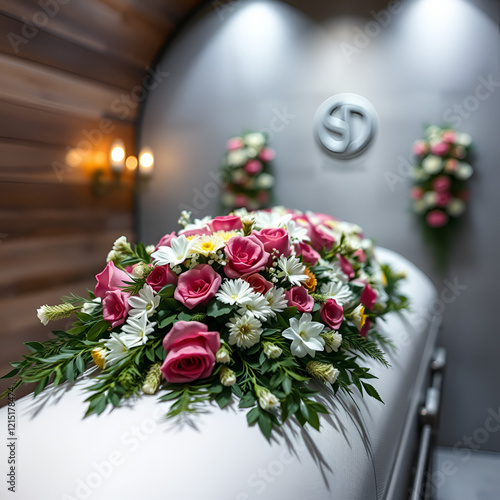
(423, 458)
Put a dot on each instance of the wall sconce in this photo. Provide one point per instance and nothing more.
(131, 163)
(117, 157)
(146, 163)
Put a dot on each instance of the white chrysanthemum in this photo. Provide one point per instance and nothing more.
(146, 302)
(197, 224)
(176, 253)
(267, 400)
(432, 164)
(244, 331)
(90, 307)
(296, 232)
(265, 181)
(208, 244)
(276, 299)
(276, 217)
(118, 347)
(305, 336)
(237, 158)
(121, 245)
(455, 207)
(338, 291)
(258, 307)
(292, 269)
(255, 139)
(137, 330)
(464, 171)
(236, 291)
(334, 272)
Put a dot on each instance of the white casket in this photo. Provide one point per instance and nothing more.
(134, 453)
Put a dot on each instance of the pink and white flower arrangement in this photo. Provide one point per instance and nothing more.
(246, 171)
(439, 193)
(247, 307)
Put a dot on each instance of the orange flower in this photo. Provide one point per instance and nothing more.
(311, 282)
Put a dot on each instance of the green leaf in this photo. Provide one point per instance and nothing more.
(265, 424)
(304, 410)
(34, 346)
(287, 385)
(83, 316)
(97, 330)
(253, 415)
(371, 391)
(247, 400)
(171, 395)
(77, 330)
(41, 385)
(167, 321)
(313, 419)
(167, 291)
(59, 377)
(224, 397)
(12, 373)
(69, 372)
(216, 309)
(184, 316)
(80, 364)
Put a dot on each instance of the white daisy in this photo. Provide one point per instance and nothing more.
(235, 292)
(258, 307)
(118, 346)
(296, 232)
(208, 244)
(305, 336)
(334, 271)
(244, 331)
(137, 330)
(276, 299)
(292, 269)
(338, 291)
(176, 253)
(146, 302)
(276, 217)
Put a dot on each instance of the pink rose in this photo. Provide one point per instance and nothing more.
(332, 313)
(165, 240)
(197, 286)
(368, 297)
(267, 154)
(449, 136)
(416, 193)
(360, 254)
(110, 279)
(442, 199)
(298, 296)
(436, 218)
(324, 218)
(320, 239)
(441, 184)
(234, 143)
(161, 276)
(196, 232)
(365, 327)
(451, 165)
(245, 255)
(191, 352)
(274, 239)
(346, 267)
(253, 167)
(241, 200)
(258, 283)
(440, 149)
(115, 307)
(226, 223)
(420, 148)
(309, 255)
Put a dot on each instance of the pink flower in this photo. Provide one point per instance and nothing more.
(258, 283)
(420, 148)
(442, 199)
(191, 352)
(253, 167)
(196, 232)
(451, 165)
(324, 218)
(320, 239)
(115, 307)
(332, 313)
(245, 255)
(226, 223)
(440, 149)
(110, 279)
(161, 276)
(241, 200)
(442, 183)
(360, 254)
(165, 240)
(263, 197)
(298, 296)
(234, 143)
(449, 136)
(416, 193)
(364, 330)
(436, 218)
(346, 267)
(368, 297)
(309, 255)
(267, 154)
(197, 286)
(274, 239)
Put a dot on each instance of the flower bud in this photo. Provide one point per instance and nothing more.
(227, 376)
(322, 371)
(272, 351)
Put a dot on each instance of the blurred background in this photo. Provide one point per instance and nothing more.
(114, 116)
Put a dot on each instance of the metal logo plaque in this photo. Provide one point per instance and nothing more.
(345, 125)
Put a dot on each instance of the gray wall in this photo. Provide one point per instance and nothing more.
(268, 65)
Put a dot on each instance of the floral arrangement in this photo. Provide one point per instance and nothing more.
(248, 307)
(246, 172)
(439, 193)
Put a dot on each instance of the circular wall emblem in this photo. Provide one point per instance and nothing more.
(345, 125)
